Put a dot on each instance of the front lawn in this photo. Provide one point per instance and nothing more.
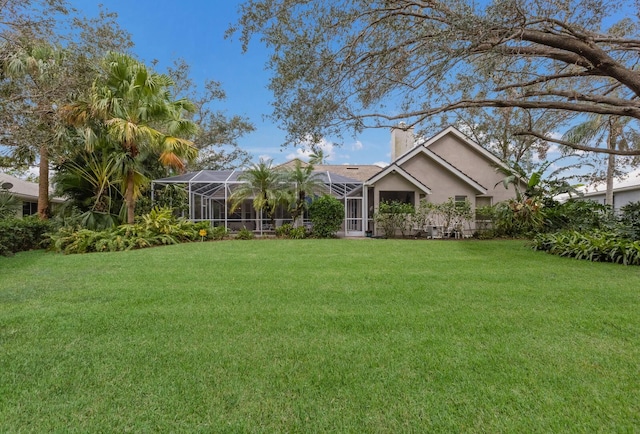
(319, 336)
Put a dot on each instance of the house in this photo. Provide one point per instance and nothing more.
(624, 191)
(447, 165)
(26, 192)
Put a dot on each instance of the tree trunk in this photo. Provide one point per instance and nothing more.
(611, 161)
(43, 184)
(130, 201)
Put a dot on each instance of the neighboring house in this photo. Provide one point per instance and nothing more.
(624, 192)
(447, 165)
(26, 192)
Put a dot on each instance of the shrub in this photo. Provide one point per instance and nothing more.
(284, 230)
(394, 216)
(327, 214)
(9, 205)
(18, 235)
(158, 227)
(630, 220)
(298, 233)
(219, 233)
(244, 234)
(577, 215)
(598, 246)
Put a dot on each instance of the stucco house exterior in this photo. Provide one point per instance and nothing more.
(447, 165)
(26, 192)
(624, 192)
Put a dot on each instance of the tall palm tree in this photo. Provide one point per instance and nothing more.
(305, 182)
(133, 106)
(263, 183)
(597, 128)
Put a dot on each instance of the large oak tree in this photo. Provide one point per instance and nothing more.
(372, 63)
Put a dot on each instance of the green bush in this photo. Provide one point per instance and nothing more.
(219, 233)
(298, 233)
(597, 246)
(327, 214)
(158, 227)
(630, 220)
(577, 215)
(288, 231)
(18, 235)
(284, 230)
(394, 216)
(244, 234)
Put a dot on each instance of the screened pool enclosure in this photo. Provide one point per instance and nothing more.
(208, 194)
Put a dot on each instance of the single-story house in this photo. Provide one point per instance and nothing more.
(26, 192)
(447, 165)
(624, 191)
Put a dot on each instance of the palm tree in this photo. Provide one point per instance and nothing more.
(317, 157)
(264, 184)
(133, 107)
(305, 182)
(599, 127)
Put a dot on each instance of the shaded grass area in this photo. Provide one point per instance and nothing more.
(319, 336)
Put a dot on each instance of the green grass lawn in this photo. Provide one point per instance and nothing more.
(319, 336)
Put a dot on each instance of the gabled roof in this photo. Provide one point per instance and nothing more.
(422, 149)
(456, 132)
(394, 168)
(360, 172)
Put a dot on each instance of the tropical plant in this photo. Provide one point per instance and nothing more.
(91, 181)
(244, 234)
(304, 182)
(630, 220)
(394, 216)
(617, 132)
(265, 185)
(158, 227)
(327, 215)
(9, 205)
(596, 246)
(132, 106)
(450, 214)
(219, 233)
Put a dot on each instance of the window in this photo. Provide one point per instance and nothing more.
(398, 196)
(29, 208)
(460, 200)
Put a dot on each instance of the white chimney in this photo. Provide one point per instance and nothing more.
(402, 140)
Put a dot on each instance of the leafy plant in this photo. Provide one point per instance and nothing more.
(298, 233)
(630, 220)
(244, 234)
(597, 246)
(394, 216)
(219, 233)
(284, 230)
(9, 205)
(18, 235)
(326, 213)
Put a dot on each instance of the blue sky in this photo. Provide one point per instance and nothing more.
(165, 30)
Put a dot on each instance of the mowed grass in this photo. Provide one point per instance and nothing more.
(319, 336)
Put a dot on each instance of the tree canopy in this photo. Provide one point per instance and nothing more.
(372, 63)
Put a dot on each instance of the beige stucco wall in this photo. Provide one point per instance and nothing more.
(393, 182)
(441, 181)
(474, 164)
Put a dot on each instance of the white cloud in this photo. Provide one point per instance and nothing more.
(357, 146)
(305, 150)
(381, 164)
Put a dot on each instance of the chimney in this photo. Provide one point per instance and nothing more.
(402, 140)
